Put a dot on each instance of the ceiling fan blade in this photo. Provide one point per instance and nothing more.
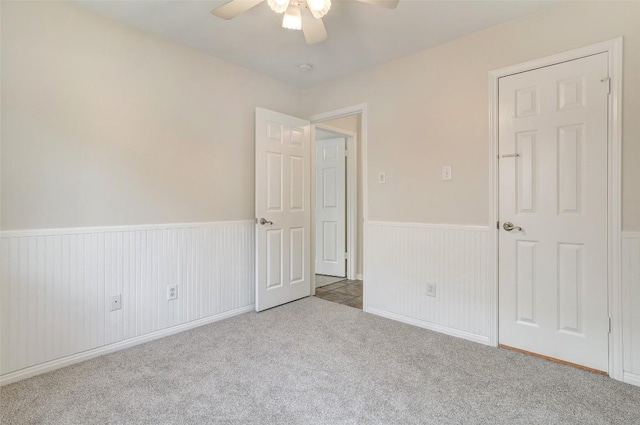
(234, 8)
(389, 4)
(313, 29)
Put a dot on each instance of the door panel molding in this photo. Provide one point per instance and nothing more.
(330, 208)
(614, 50)
(282, 208)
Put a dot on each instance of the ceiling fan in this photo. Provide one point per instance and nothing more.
(305, 15)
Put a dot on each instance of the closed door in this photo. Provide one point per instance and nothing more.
(283, 219)
(553, 211)
(330, 207)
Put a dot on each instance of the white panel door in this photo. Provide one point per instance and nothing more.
(331, 207)
(553, 184)
(283, 219)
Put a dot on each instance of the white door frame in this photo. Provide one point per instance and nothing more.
(361, 156)
(614, 49)
(351, 189)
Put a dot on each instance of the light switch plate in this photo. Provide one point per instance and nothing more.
(446, 172)
(382, 177)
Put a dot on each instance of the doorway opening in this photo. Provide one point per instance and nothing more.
(337, 213)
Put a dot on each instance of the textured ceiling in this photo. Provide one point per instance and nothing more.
(360, 35)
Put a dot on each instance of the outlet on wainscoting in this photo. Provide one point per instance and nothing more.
(116, 302)
(172, 292)
(431, 290)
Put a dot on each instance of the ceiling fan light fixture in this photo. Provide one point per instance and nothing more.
(292, 19)
(278, 6)
(319, 8)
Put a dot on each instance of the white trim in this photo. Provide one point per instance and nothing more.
(614, 50)
(431, 326)
(630, 235)
(89, 354)
(429, 225)
(631, 378)
(352, 189)
(102, 229)
(339, 113)
(343, 112)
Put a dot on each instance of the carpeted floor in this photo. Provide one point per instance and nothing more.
(318, 362)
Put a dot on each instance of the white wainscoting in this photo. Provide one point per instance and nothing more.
(631, 306)
(401, 259)
(56, 288)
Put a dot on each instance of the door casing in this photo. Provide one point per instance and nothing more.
(614, 180)
(354, 158)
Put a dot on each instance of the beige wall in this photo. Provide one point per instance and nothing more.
(106, 125)
(431, 109)
(352, 123)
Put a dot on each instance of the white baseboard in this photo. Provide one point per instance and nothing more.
(631, 378)
(431, 326)
(90, 354)
(359, 277)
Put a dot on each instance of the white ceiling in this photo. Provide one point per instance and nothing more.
(360, 35)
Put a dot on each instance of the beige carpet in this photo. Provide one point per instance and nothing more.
(317, 362)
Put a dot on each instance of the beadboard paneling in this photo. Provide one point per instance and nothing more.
(631, 305)
(56, 285)
(402, 258)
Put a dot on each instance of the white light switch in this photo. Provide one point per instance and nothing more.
(446, 172)
(382, 178)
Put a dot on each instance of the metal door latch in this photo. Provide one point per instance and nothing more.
(508, 226)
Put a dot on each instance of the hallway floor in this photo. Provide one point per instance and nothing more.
(347, 292)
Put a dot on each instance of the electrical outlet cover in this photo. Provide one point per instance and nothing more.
(172, 292)
(116, 302)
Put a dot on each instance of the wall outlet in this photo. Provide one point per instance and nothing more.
(382, 177)
(172, 292)
(431, 290)
(116, 302)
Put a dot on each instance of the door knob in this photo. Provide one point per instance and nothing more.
(508, 226)
(263, 221)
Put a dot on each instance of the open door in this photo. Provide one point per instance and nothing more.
(283, 203)
(331, 208)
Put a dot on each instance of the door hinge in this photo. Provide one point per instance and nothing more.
(498, 225)
(608, 81)
(346, 255)
(346, 153)
(609, 324)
